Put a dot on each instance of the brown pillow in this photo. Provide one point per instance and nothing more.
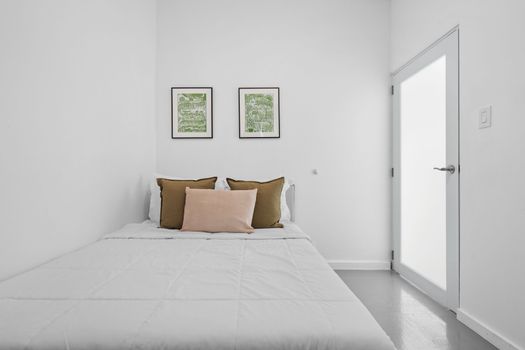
(219, 211)
(173, 197)
(268, 204)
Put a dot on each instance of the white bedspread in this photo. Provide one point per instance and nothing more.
(148, 288)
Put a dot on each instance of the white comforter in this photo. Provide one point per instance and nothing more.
(148, 288)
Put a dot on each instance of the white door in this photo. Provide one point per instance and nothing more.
(426, 171)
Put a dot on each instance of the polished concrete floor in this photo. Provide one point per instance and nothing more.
(411, 319)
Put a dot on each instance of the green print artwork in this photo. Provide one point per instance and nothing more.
(191, 112)
(258, 113)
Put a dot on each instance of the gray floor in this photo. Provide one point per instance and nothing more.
(411, 319)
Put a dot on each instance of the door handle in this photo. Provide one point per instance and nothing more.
(451, 169)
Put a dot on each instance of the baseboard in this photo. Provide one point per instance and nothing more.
(359, 265)
(490, 335)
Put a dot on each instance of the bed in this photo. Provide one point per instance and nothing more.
(144, 287)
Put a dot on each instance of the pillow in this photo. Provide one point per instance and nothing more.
(219, 211)
(154, 200)
(173, 197)
(268, 204)
(286, 214)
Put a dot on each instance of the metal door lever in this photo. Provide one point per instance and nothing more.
(451, 169)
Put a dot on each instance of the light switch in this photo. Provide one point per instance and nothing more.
(485, 117)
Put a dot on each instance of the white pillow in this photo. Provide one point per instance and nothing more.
(286, 215)
(154, 200)
(221, 184)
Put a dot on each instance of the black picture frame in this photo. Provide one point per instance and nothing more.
(209, 90)
(278, 110)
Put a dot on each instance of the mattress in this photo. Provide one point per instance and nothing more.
(147, 288)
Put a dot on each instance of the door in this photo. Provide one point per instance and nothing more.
(426, 171)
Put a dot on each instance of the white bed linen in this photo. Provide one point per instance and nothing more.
(149, 288)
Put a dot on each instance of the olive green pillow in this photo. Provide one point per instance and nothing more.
(268, 203)
(173, 198)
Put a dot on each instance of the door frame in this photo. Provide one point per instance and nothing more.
(449, 45)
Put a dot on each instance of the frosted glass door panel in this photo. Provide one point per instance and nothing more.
(423, 189)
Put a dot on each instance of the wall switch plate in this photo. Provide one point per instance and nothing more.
(485, 117)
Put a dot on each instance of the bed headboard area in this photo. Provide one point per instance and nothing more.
(290, 200)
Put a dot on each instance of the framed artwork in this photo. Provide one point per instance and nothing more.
(259, 113)
(191, 113)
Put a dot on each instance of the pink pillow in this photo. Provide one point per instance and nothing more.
(219, 211)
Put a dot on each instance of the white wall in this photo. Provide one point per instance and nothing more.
(492, 52)
(77, 126)
(330, 59)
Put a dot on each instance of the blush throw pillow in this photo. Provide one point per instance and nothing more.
(219, 211)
